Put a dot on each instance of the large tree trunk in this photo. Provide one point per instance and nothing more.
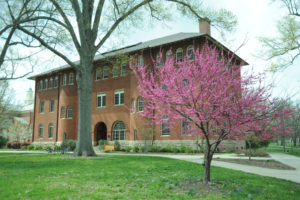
(84, 78)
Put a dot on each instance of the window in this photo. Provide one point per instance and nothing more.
(141, 61)
(46, 84)
(169, 54)
(133, 105)
(105, 72)
(64, 82)
(101, 99)
(56, 81)
(119, 131)
(51, 83)
(41, 85)
(69, 113)
(50, 130)
(98, 73)
(159, 60)
(119, 97)
(179, 55)
(185, 127)
(190, 52)
(115, 71)
(71, 79)
(62, 112)
(40, 131)
(185, 83)
(123, 70)
(140, 104)
(135, 134)
(52, 105)
(42, 105)
(165, 128)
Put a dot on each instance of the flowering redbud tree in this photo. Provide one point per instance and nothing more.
(206, 90)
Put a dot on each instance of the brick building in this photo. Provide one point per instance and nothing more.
(114, 92)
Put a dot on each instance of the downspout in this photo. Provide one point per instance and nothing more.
(57, 116)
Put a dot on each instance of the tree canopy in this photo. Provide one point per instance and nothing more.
(284, 49)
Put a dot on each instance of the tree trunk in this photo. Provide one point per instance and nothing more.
(207, 163)
(84, 79)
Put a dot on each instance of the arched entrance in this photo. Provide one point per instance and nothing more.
(101, 132)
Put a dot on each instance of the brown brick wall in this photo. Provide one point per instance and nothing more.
(67, 96)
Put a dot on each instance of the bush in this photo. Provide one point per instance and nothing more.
(102, 143)
(143, 149)
(154, 148)
(257, 144)
(25, 144)
(128, 149)
(30, 147)
(185, 149)
(135, 149)
(117, 146)
(68, 145)
(175, 149)
(257, 152)
(38, 147)
(56, 148)
(3, 141)
(48, 148)
(167, 149)
(24, 147)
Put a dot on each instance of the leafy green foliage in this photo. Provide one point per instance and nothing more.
(3, 141)
(102, 143)
(70, 145)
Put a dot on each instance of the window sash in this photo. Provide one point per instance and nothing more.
(52, 106)
(62, 113)
(115, 72)
(71, 79)
(51, 83)
(141, 105)
(101, 100)
(50, 131)
(119, 97)
(165, 127)
(69, 113)
(56, 82)
(105, 73)
(40, 131)
(42, 104)
(65, 79)
(98, 74)
(123, 70)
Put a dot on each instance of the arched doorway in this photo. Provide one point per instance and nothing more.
(101, 132)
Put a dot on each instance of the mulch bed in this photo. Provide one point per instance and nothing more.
(271, 164)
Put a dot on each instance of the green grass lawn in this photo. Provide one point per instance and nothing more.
(48, 176)
(295, 151)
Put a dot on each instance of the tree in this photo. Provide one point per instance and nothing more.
(284, 49)
(13, 14)
(209, 94)
(88, 24)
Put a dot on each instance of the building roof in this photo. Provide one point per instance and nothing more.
(139, 46)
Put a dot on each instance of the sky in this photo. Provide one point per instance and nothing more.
(256, 18)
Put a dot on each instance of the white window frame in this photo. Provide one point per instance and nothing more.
(141, 61)
(46, 84)
(62, 112)
(50, 83)
(50, 107)
(133, 105)
(64, 82)
(71, 79)
(98, 72)
(119, 132)
(55, 85)
(165, 120)
(116, 69)
(190, 48)
(50, 130)
(119, 93)
(41, 131)
(41, 85)
(101, 95)
(42, 106)
(179, 50)
(183, 131)
(69, 112)
(123, 71)
(140, 104)
(105, 70)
